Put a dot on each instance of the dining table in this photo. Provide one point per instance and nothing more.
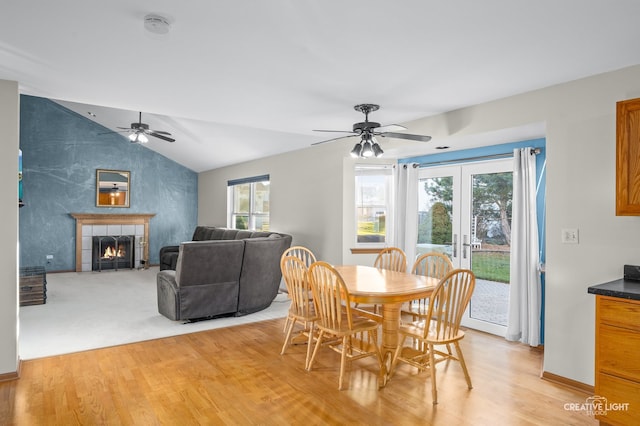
(370, 285)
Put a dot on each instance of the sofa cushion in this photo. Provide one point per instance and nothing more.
(259, 234)
(242, 234)
(229, 234)
(215, 233)
(200, 233)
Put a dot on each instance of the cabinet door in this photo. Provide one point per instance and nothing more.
(618, 352)
(622, 401)
(628, 158)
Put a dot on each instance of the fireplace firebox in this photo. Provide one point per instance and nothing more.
(113, 252)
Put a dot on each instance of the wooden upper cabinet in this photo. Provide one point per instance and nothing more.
(628, 157)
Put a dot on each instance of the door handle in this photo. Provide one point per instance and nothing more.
(455, 245)
(465, 244)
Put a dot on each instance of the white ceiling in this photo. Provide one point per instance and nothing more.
(236, 80)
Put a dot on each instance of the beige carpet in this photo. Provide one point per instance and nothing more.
(88, 310)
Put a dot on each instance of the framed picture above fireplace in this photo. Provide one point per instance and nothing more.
(112, 188)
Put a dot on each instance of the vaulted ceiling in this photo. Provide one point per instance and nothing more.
(237, 80)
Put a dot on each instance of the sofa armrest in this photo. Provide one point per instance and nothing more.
(168, 257)
(169, 249)
(168, 300)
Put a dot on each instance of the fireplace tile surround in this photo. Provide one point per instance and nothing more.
(89, 225)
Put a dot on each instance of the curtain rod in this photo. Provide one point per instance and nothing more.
(533, 151)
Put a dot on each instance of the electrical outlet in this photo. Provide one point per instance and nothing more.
(49, 256)
(570, 236)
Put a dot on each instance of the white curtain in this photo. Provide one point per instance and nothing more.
(406, 219)
(525, 292)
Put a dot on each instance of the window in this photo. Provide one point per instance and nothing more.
(249, 203)
(374, 204)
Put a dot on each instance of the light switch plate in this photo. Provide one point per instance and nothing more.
(570, 236)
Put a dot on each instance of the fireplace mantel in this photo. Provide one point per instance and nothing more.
(83, 219)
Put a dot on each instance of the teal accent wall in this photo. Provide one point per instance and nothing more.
(61, 151)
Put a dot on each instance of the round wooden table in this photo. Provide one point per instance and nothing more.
(390, 289)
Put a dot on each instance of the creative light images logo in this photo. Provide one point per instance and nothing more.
(596, 406)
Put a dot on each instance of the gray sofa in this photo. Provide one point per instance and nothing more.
(221, 272)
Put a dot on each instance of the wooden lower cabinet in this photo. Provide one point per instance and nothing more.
(617, 373)
(623, 400)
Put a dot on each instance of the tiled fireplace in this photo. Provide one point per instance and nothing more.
(115, 252)
(89, 225)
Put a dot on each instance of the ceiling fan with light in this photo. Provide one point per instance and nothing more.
(366, 130)
(138, 132)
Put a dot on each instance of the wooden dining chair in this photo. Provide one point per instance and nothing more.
(441, 326)
(392, 259)
(302, 253)
(431, 264)
(306, 256)
(354, 337)
(301, 310)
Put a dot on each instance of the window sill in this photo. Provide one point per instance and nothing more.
(372, 250)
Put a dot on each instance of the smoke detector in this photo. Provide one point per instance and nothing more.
(156, 24)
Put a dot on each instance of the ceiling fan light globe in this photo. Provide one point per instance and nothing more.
(357, 149)
(142, 138)
(133, 137)
(377, 150)
(367, 150)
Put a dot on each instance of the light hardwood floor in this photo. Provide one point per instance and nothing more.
(236, 376)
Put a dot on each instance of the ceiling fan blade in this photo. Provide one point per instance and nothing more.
(334, 139)
(164, 138)
(390, 128)
(334, 131)
(124, 128)
(110, 132)
(160, 132)
(419, 138)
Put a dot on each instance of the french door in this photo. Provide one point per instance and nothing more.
(464, 211)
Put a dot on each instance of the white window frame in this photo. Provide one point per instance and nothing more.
(376, 169)
(231, 213)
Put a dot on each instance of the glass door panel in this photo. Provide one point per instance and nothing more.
(465, 212)
(487, 242)
(437, 211)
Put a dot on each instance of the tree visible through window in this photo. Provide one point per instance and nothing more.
(492, 195)
(249, 203)
(435, 225)
(491, 224)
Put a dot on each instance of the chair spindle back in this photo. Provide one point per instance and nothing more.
(330, 296)
(296, 278)
(391, 258)
(447, 304)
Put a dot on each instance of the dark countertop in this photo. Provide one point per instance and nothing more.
(622, 288)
